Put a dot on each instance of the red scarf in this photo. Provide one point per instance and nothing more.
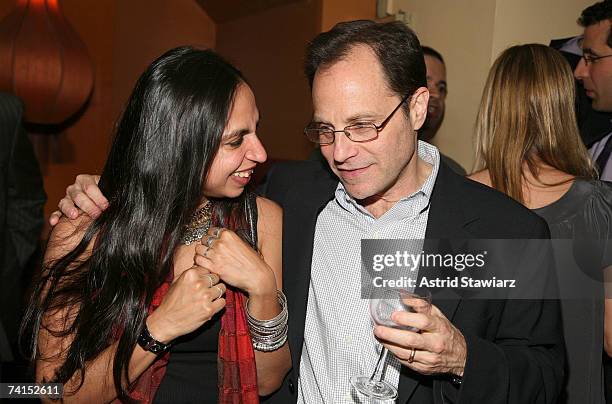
(237, 375)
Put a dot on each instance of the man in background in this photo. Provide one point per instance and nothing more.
(21, 218)
(594, 70)
(438, 89)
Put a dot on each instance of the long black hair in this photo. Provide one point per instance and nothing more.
(163, 148)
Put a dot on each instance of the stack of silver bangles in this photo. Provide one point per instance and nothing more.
(269, 335)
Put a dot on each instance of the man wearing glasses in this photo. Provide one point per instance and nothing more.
(438, 90)
(370, 96)
(595, 72)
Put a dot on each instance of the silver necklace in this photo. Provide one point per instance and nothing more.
(198, 225)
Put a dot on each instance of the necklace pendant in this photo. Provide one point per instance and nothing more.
(199, 225)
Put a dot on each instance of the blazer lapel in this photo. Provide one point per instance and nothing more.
(447, 219)
(300, 217)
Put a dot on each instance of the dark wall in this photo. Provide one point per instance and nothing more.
(269, 48)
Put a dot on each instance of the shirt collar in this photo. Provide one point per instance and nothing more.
(427, 153)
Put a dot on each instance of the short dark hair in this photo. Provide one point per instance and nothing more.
(432, 52)
(596, 13)
(396, 46)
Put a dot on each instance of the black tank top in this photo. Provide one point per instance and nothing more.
(191, 374)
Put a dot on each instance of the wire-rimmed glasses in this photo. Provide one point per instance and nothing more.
(590, 58)
(360, 132)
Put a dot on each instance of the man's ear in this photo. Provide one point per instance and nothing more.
(418, 107)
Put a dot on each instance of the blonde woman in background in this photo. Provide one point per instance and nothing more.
(528, 146)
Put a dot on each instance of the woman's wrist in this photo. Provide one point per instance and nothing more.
(157, 330)
(264, 306)
(265, 287)
(270, 334)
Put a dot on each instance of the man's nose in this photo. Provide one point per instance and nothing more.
(433, 92)
(582, 70)
(344, 148)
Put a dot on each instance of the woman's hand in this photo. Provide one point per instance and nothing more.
(224, 253)
(193, 299)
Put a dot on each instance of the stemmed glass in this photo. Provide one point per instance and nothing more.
(383, 302)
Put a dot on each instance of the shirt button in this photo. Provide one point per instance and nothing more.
(348, 397)
(348, 340)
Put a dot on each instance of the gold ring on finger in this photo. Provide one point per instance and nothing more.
(217, 232)
(411, 358)
(209, 242)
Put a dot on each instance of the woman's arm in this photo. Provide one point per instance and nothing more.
(271, 366)
(98, 384)
(192, 300)
(608, 311)
(608, 327)
(259, 276)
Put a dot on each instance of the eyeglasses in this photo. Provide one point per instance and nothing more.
(588, 58)
(361, 132)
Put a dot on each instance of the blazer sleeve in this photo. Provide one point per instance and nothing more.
(26, 199)
(21, 215)
(524, 361)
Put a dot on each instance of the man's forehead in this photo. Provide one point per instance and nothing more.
(430, 59)
(596, 36)
(357, 76)
(434, 66)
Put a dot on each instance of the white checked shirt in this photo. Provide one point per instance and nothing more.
(338, 338)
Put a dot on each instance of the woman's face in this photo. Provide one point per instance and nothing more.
(240, 150)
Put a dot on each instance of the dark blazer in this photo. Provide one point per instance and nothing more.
(515, 348)
(21, 214)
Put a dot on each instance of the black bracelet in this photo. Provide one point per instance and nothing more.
(456, 380)
(150, 344)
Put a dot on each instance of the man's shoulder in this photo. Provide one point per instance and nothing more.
(289, 177)
(497, 214)
(302, 169)
(294, 184)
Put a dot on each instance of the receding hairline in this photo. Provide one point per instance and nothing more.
(348, 54)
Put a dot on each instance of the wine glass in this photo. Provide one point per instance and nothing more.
(383, 302)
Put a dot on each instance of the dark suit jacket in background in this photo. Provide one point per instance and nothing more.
(515, 348)
(21, 215)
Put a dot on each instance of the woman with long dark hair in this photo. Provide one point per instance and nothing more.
(528, 146)
(130, 305)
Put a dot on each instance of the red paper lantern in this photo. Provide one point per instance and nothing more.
(44, 62)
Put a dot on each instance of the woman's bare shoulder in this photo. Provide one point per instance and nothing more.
(481, 176)
(269, 222)
(268, 209)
